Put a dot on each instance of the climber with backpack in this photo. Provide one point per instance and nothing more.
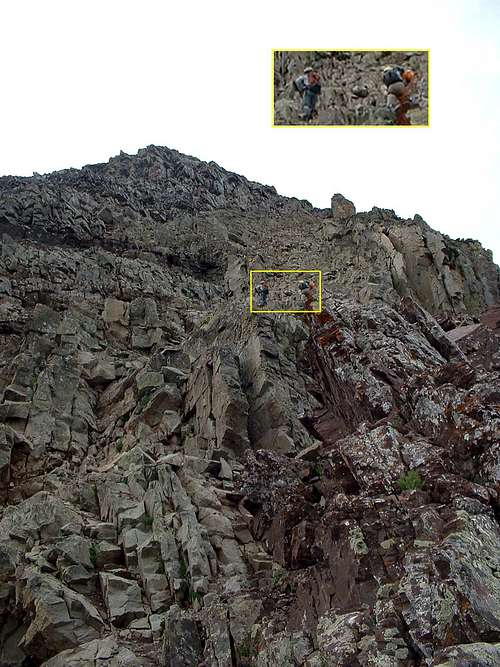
(307, 289)
(309, 86)
(262, 291)
(400, 83)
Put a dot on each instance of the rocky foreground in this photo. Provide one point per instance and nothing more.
(183, 483)
(352, 89)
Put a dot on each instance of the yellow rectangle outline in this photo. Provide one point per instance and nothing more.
(320, 286)
(273, 51)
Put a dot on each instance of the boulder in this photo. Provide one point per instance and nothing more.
(486, 655)
(123, 599)
(94, 654)
(182, 645)
(59, 617)
(342, 208)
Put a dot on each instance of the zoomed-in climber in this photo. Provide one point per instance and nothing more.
(400, 84)
(308, 85)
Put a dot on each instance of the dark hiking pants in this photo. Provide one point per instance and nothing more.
(309, 103)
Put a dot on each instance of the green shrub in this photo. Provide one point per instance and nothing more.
(93, 555)
(245, 648)
(194, 596)
(143, 401)
(148, 520)
(183, 569)
(278, 574)
(318, 470)
(410, 481)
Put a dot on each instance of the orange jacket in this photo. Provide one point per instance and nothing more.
(408, 76)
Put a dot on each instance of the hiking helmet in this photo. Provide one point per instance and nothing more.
(307, 69)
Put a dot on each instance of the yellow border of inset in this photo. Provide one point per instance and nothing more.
(273, 51)
(320, 284)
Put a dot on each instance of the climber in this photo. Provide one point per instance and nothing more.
(400, 83)
(262, 290)
(311, 92)
(309, 86)
(307, 289)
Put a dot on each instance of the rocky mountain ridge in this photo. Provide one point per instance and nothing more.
(184, 483)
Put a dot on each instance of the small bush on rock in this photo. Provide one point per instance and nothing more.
(410, 481)
(93, 555)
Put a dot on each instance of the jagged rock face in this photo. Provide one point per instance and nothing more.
(183, 483)
(352, 92)
(382, 257)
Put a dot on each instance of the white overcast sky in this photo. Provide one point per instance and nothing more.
(84, 79)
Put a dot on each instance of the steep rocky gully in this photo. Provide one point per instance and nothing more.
(183, 483)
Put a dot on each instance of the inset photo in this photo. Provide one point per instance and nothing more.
(350, 88)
